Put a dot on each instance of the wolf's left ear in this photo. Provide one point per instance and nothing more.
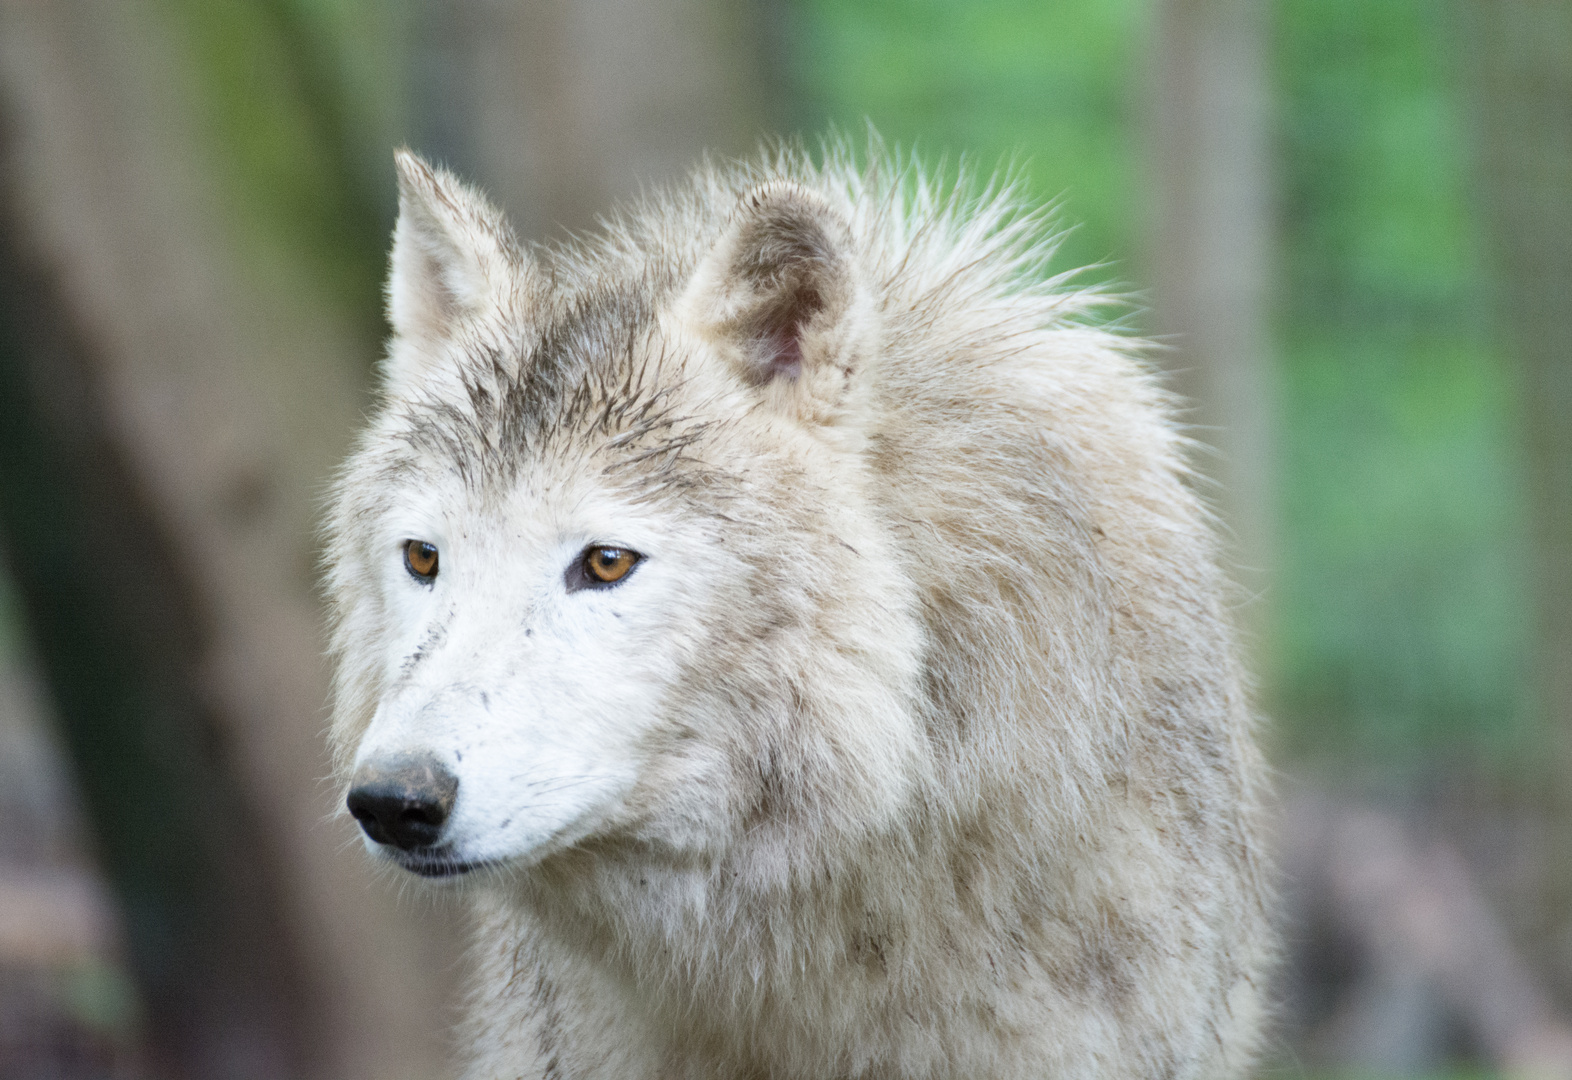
(781, 293)
(453, 254)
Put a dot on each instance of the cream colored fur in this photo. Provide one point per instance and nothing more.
(918, 744)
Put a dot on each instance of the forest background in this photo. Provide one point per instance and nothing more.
(1348, 222)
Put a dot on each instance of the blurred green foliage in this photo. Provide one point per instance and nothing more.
(1051, 87)
(286, 103)
(1399, 598)
(1404, 615)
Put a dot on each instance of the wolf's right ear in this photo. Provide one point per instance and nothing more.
(453, 254)
(781, 294)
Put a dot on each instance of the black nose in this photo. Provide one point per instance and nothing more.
(403, 801)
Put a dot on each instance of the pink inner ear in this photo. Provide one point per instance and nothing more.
(782, 353)
(779, 340)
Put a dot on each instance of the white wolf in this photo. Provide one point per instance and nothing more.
(788, 619)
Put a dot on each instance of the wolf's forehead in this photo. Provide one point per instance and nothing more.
(594, 381)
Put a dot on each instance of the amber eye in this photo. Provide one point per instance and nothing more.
(420, 558)
(608, 564)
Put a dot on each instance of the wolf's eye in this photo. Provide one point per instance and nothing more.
(420, 559)
(601, 565)
(608, 564)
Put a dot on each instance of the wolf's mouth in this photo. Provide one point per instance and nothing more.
(436, 864)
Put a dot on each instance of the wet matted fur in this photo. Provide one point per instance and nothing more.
(915, 742)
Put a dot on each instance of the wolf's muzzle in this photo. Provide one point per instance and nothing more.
(403, 801)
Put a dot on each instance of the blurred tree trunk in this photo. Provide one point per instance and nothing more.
(180, 390)
(1523, 75)
(559, 107)
(1210, 256)
(111, 610)
(1521, 71)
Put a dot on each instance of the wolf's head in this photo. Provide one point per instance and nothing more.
(607, 568)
